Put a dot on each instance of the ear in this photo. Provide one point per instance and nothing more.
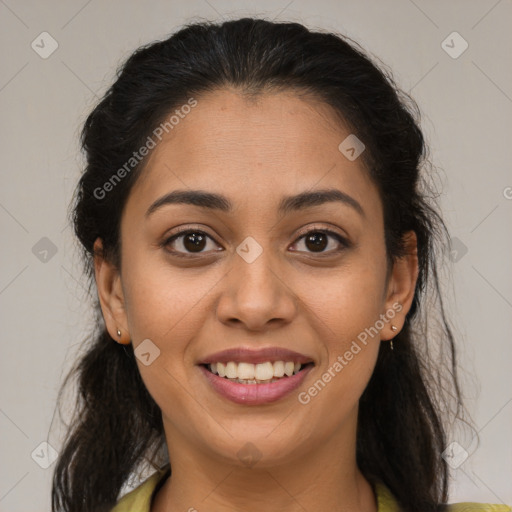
(110, 293)
(401, 286)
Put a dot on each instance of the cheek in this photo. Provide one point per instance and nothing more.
(349, 302)
(168, 307)
(351, 324)
(349, 331)
(162, 302)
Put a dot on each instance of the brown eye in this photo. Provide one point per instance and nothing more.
(188, 242)
(317, 241)
(194, 242)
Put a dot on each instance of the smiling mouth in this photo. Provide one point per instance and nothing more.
(261, 373)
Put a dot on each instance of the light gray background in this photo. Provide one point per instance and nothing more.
(467, 107)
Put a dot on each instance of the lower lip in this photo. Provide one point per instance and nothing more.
(255, 394)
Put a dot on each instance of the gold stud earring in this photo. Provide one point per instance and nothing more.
(120, 341)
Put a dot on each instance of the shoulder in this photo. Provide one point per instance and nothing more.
(139, 499)
(478, 507)
(386, 502)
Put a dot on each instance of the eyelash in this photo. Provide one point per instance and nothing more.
(343, 241)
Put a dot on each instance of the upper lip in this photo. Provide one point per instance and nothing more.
(247, 355)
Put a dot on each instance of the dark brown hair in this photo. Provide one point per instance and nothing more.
(401, 425)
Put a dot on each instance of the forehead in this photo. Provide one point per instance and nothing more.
(255, 150)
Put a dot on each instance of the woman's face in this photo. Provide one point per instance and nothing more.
(254, 282)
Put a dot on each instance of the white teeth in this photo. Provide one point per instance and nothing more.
(242, 381)
(245, 371)
(231, 370)
(248, 373)
(264, 371)
(278, 369)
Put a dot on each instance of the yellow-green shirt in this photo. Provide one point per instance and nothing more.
(139, 499)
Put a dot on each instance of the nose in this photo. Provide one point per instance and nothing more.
(256, 295)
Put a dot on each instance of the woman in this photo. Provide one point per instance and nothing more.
(253, 216)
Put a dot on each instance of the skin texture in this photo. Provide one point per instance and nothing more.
(255, 152)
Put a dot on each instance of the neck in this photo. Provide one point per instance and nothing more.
(316, 480)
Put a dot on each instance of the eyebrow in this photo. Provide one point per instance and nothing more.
(287, 205)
